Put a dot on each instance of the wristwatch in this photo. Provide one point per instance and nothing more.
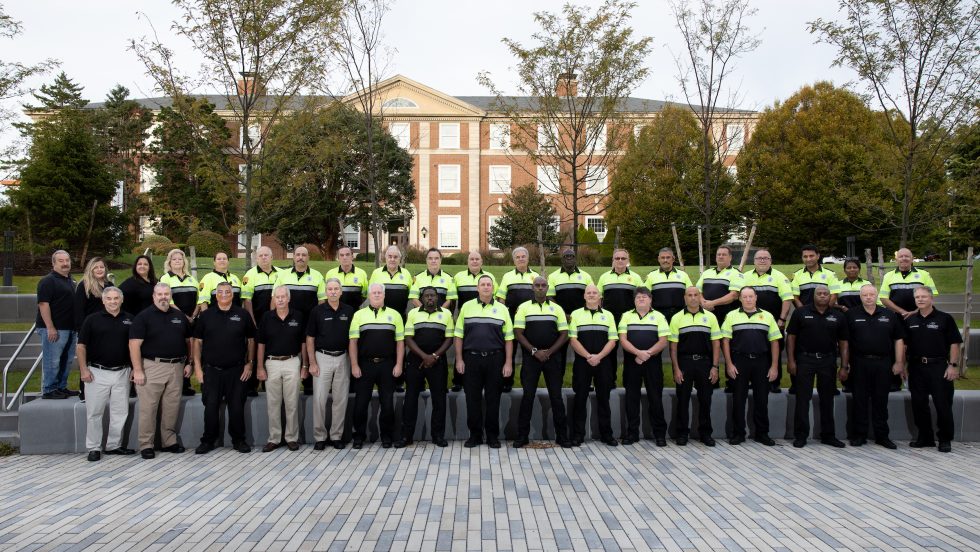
(953, 364)
(534, 350)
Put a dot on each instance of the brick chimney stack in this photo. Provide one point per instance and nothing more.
(567, 85)
(249, 84)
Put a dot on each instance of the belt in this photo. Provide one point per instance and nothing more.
(875, 357)
(930, 360)
(108, 368)
(818, 355)
(223, 368)
(170, 360)
(696, 357)
(751, 355)
(483, 353)
(377, 360)
(331, 353)
(280, 357)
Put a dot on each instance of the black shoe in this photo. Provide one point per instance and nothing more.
(357, 445)
(493, 443)
(94, 456)
(945, 446)
(708, 441)
(242, 447)
(148, 454)
(399, 389)
(252, 393)
(922, 444)
(54, 395)
(577, 442)
(887, 443)
(69, 392)
(320, 445)
(765, 440)
(204, 448)
(519, 443)
(681, 440)
(836, 392)
(339, 445)
(860, 441)
(895, 388)
(132, 392)
(175, 448)
(564, 443)
(401, 443)
(799, 443)
(269, 447)
(457, 389)
(121, 451)
(188, 392)
(737, 440)
(507, 389)
(308, 391)
(729, 389)
(627, 441)
(609, 441)
(472, 442)
(386, 444)
(440, 442)
(833, 442)
(775, 390)
(661, 442)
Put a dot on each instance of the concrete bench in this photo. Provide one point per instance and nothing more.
(58, 426)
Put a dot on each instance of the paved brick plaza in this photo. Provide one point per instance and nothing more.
(427, 498)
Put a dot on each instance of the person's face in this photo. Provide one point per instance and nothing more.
(592, 297)
(485, 288)
(851, 270)
(904, 258)
(334, 291)
(62, 264)
(568, 261)
(392, 258)
(723, 258)
(263, 256)
(224, 295)
(923, 298)
(112, 301)
(809, 258)
(433, 261)
(762, 261)
(474, 262)
(98, 270)
(301, 257)
(377, 297)
(346, 257)
(143, 268)
(177, 263)
(665, 260)
(869, 296)
(747, 297)
(821, 297)
(221, 262)
(161, 298)
(540, 287)
(620, 260)
(692, 298)
(520, 260)
(642, 302)
(430, 299)
(280, 298)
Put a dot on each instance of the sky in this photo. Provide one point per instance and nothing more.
(441, 43)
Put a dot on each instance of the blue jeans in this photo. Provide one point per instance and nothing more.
(57, 359)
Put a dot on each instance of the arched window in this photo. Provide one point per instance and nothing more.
(399, 102)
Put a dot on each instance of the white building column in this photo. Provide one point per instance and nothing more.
(473, 215)
(424, 185)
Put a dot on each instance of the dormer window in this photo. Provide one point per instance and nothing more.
(400, 102)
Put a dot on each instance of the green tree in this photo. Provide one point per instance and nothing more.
(650, 185)
(194, 189)
(524, 210)
(582, 65)
(311, 184)
(963, 228)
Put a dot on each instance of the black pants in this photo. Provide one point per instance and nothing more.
(697, 374)
(651, 375)
(754, 371)
(415, 378)
(374, 374)
(458, 379)
(825, 371)
(553, 370)
(483, 383)
(508, 381)
(927, 380)
(871, 380)
(603, 377)
(223, 384)
(779, 367)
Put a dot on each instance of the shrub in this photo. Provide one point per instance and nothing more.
(456, 259)
(415, 255)
(158, 245)
(207, 243)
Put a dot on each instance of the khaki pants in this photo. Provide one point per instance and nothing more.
(107, 388)
(282, 385)
(334, 378)
(162, 389)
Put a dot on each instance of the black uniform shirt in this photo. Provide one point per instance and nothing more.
(106, 338)
(815, 332)
(85, 304)
(930, 336)
(873, 334)
(59, 293)
(330, 326)
(542, 322)
(163, 332)
(224, 336)
(137, 295)
(282, 337)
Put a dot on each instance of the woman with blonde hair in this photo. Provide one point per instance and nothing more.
(183, 289)
(88, 297)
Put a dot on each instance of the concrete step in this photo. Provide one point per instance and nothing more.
(8, 338)
(8, 421)
(12, 438)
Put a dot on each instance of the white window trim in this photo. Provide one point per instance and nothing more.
(502, 189)
(449, 222)
(502, 139)
(491, 221)
(402, 133)
(546, 141)
(355, 231)
(148, 178)
(447, 141)
(596, 175)
(735, 136)
(601, 235)
(596, 137)
(255, 132)
(445, 177)
(553, 177)
(638, 129)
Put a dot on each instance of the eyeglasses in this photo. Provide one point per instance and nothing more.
(620, 258)
(763, 258)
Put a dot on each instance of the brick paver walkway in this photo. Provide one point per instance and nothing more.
(426, 498)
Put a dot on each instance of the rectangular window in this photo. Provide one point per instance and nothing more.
(352, 236)
(254, 135)
(596, 136)
(735, 134)
(733, 170)
(402, 133)
(148, 178)
(596, 180)
(448, 135)
(256, 241)
(548, 179)
(597, 225)
(448, 179)
(499, 135)
(449, 232)
(151, 140)
(637, 130)
(546, 137)
(117, 198)
(499, 179)
(491, 222)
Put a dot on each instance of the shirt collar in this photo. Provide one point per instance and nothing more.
(298, 273)
(693, 314)
(431, 275)
(476, 274)
(378, 310)
(766, 272)
(747, 313)
(904, 274)
(667, 272)
(569, 272)
(340, 269)
(222, 274)
(625, 271)
(482, 304)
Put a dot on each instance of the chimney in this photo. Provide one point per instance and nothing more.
(567, 85)
(249, 85)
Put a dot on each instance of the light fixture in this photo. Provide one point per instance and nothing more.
(425, 232)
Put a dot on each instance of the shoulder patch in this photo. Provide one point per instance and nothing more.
(245, 280)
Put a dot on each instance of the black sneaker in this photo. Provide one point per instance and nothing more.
(520, 443)
(148, 454)
(94, 456)
(56, 394)
(70, 393)
(339, 445)
(188, 392)
(708, 441)
(242, 447)
(887, 443)
(681, 440)
(320, 445)
(204, 448)
(833, 442)
(472, 442)
(799, 443)
(945, 446)
(661, 441)
(121, 451)
(357, 445)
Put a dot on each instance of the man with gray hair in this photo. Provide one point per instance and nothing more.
(159, 345)
(515, 289)
(56, 327)
(396, 279)
(667, 284)
(327, 341)
(281, 339)
(103, 360)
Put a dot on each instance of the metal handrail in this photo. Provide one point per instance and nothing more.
(6, 369)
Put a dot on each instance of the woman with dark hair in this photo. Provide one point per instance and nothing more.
(138, 288)
(850, 286)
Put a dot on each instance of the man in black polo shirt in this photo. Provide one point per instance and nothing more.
(874, 354)
(159, 342)
(103, 359)
(933, 349)
(377, 349)
(326, 338)
(592, 335)
(542, 330)
(224, 345)
(428, 335)
(282, 346)
(695, 350)
(814, 335)
(56, 327)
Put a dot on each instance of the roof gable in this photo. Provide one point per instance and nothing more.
(428, 101)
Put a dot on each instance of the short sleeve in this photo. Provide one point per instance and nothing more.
(45, 290)
(321, 290)
(572, 328)
(520, 317)
(726, 328)
(774, 333)
(675, 330)
(786, 291)
(663, 328)
(449, 327)
(413, 291)
(410, 323)
(952, 333)
(562, 320)
(713, 327)
(200, 326)
(399, 328)
(311, 324)
(83, 334)
(508, 328)
(736, 282)
(355, 327)
(793, 328)
(138, 329)
(932, 284)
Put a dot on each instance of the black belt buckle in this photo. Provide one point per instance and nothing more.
(817, 356)
(108, 368)
(482, 353)
(751, 355)
(699, 357)
(377, 360)
(927, 360)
